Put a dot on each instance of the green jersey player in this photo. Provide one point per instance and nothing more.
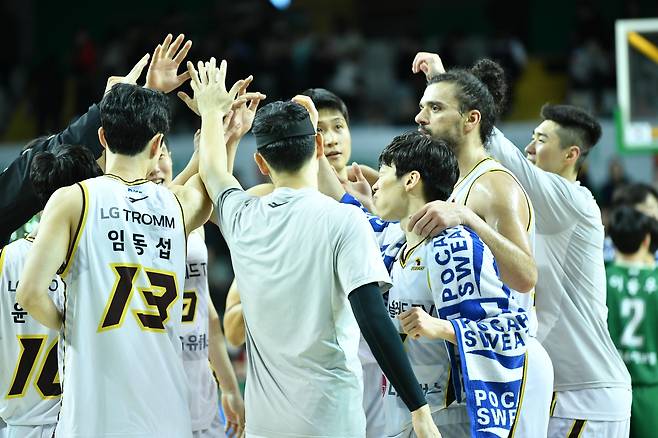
(632, 281)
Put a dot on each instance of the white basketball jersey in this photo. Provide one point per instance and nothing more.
(194, 335)
(29, 381)
(122, 370)
(460, 195)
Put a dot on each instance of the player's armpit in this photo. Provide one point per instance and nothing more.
(506, 214)
(233, 317)
(53, 243)
(195, 202)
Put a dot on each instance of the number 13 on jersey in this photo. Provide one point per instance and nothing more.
(157, 297)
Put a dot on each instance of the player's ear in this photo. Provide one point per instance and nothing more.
(411, 180)
(472, 120)
(319, 146)
(573, 153)
(154, 145)
(262, 164)
(101, 137)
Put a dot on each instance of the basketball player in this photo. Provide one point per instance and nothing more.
(592, 386)
(632, 280)
(303, 371)
(460, 106)
(201, 335)
(122, 240)
(644, 198)
(29, 381)
(415, 170)
(333, 124)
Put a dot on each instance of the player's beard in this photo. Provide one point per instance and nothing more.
(452, 137)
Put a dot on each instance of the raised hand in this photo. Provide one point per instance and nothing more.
(131, 77)
(162, 74)
(243, 110)
(358, 186)
(209, 87)
(428, 63)
(307, 103)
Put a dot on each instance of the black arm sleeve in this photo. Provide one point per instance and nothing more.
(18, 202)
(385, 343)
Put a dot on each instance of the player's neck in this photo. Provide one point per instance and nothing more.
(304, 178)
(126, 167)
(639, 259)
(413, 239)
(469, 155)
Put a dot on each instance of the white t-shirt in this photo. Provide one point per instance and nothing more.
(571, 286)
(297, 254)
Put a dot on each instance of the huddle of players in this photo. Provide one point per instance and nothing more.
(302, 340)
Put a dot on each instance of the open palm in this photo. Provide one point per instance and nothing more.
(162, 74)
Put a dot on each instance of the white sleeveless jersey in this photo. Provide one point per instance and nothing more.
(194, 335)
(29, 381)
(460, 195)
(122, 371)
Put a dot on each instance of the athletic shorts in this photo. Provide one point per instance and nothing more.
(570, 428)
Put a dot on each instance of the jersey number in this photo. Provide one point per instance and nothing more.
(158, 297)
(189, 305)
(633, 308)
(47, 383)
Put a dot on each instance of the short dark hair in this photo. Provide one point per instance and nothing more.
(577, 127)
(131, 116)
(628, 228)
(61, 166)
(432, 158)
(482, 88)
(633, 194)
(288, 154)
(324, 99)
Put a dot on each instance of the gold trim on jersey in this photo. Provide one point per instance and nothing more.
(128, 183)
(577, 429)
(553, 403)
(111, 298)
(404, 258)
(152, 288)
(78, 232)
(41, 369)
(26, 383)
(190, 306)
(461, 181)
(29, 238)
(521, 394)
(182, 214)
(527, 199)
(2, 259)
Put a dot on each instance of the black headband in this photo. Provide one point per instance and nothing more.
(296, 129)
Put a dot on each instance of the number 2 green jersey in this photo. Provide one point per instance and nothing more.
(633, 318)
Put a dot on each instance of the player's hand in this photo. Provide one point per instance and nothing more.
(162, 73)
(428, 63)
(233, 407)
(131, 77)
(358, 186)
(417, 323)
(435, 217)
(423, 425)
(209, 88)
(244, 110)
(307, 103)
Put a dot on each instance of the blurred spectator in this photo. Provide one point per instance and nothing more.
(616, 179)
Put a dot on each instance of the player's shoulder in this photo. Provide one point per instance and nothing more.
(455, 239)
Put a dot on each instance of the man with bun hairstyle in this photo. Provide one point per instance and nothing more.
(461, 106)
